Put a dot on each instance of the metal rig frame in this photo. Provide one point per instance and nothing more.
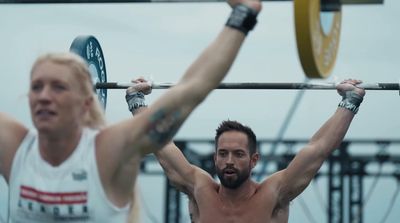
(344, 169)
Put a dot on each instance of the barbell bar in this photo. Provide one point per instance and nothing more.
(260, 86)
(88, 47)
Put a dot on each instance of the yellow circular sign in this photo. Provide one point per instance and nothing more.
(317, 45)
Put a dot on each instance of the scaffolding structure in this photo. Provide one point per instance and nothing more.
(346, 168)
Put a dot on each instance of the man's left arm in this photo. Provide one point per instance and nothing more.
(302, 169)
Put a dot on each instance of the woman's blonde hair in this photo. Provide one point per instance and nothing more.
(95, 118)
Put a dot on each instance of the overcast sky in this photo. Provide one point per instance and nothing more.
(159, 41)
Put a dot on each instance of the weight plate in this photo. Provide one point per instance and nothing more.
(88, 47)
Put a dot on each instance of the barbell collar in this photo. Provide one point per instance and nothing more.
(261, 86)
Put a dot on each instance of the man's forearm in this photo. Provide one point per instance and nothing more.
(332, 132)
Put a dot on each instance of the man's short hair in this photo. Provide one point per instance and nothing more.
(229, 125)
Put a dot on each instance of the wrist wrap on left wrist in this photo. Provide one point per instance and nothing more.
(351, 101)
(135, 101)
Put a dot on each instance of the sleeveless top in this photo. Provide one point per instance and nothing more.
(71, 192)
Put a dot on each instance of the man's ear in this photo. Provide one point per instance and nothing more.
(254, 159)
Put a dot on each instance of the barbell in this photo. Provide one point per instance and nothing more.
(88, 47)
(260, 86)
(317, 26)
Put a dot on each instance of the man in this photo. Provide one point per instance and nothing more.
(238, 198)
(74, 168)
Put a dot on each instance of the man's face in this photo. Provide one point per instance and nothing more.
(54, 97)
(232, 159)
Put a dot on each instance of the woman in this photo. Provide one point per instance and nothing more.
(73, 168)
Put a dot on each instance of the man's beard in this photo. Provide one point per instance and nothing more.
(233, 182)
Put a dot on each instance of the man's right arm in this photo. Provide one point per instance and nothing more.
(11, 136)
(179, 171)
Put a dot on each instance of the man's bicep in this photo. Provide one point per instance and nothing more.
(299, 173)
(185, 182)
(177, 168)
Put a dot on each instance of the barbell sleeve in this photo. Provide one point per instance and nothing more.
(266, 86)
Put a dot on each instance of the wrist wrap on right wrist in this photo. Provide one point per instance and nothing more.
(135, 101)
(351, 101)
(242, 18)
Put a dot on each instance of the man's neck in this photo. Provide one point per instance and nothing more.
(243, 192)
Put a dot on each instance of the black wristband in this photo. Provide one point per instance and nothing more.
(135, 101)
(242, 18)
(351, 101)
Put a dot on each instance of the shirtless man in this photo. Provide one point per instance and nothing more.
(240, 199)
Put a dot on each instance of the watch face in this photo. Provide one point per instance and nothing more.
(90, 50)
